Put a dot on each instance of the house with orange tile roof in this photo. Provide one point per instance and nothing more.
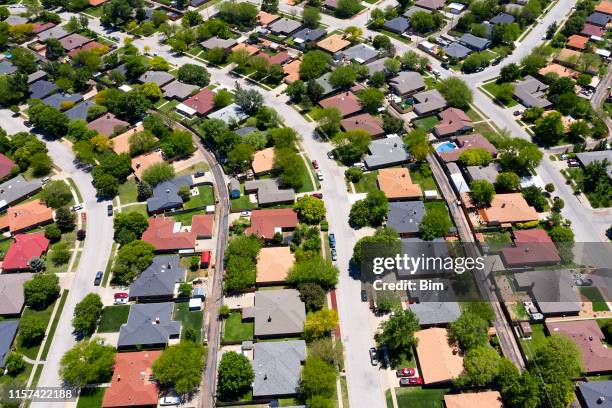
(560, 70)
(132, 384)
(292, 71)
(263, 161)
(333, 43)
(273, 264)
(397, 185)
(439, 361)
(605, 7)
(96, 3)
(481, 399)
(26, 216)
(144, 161)
(364, 121)
(250, 49)
(202, 225)
(164, 237)
(568, 57)
(577, 42)
(121, 143)
(263, 18)
(265, 223)
(346, 102)
(507, 209)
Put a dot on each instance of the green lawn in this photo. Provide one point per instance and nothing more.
(91, 398)
(128, 192)
(493, 88)
(206, 197)
(488, 132)
(594, 295)
(305, 177)
(367, 183)
(426, 123)
(185, 218)
(242, 203)
(168, 107)
(537, 340)
(53, 328)
(22, 377)
(498, 237)
(430, 82)
(112, 318)
(201, 166)
(94, 11)
(139, 208)
(421, 174)
(418, 397)
(235, 330)
(4, 246)
(189, 319)
(45, 316)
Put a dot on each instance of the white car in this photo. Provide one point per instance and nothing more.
(320, 175)
(120, 301)
(77, 207)
(245, 214)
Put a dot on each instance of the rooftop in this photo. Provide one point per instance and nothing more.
(25, 216)
(144, 161)
(166, 194)
(488, 172)
(57, 99)
(264, 223)
(107, 124)
(596, 394)
(361, 53)
(6, 167)
(398, 24)
(531, 92)
(269, 191)
(334, 43)
(264, 18)
(149, 324)
(23, 249)
(428, 102)
(467, 142)
(160, 78)
(397, 185)
(159, 278)
(309, 34)
(277, 366)
(8, 331)
(407, 82)
(586, 158)
(131, 384)
(229, 114)
(162, 236)
(42, 88)
(202, 225)
(73, 41)
(346, 102)
(452, 120)
(386, 152)
(364, 121)
(439, 361)
(482, 399)
(531, 247)
(79, 111)
(278, 312)
(273, 264)
(179, 90)
(284, 26)
(202, 102)
(577, 41)
(560, 70)
(11, 292)
(552, 290)
(430, 4)
(405, 216)
(456, 50)
(508, 208)
(121, 143)
(604, 6)
(502, 18)
(263, 161)
(216, 42)
(436, 313)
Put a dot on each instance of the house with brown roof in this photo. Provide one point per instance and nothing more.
(333, 43)
(26, 216)
(586, 334)
(591, 30)
(279, 58)
(179, 90)
(121, 143)
(531, 248)
(430, 4)
(162, 235)
(264, 19)
(202, 225)
(439, 362)
(263, 161)
(292, 71)
(395, 182)
(507, 209)
(577, 42)
(453, 121)
(481, 399)
(467, 142)
(90, 46)
(132, 384)
(202, 103)
(364, 121)
(73, 41)
(560, 70)
(40, 27)
(605, 7)
(273, 264)
(144, 161)
(108, 125)
(568, 57)
(265, 223)
(249, 48)
(346, 102)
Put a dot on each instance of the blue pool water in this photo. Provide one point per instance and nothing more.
(445, 147)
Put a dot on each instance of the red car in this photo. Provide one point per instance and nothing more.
(405, 372)
(121, 295)
(317, 195)
(406, 382)
(315, 164)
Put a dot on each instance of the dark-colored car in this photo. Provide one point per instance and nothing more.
(374, 356)
(315, 164)
(330, 154)
(98, 278)
(109, 210)
(317, 195)
(496, 61)
(445, 65)
(332, 240)
(405, 372)
(364, 296)
(199, 174)
(411, 381)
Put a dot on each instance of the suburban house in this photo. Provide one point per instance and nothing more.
(265, 223)
(488, 172)
(22, 250)
(17, 189)
(201, 103)
(160, 78)
(178, 90)
(467, 142)
(59, 100)
(79, 111)
(595, 394)
(202, 225)
(586, 334)
(333, 43)
(74, 40)
(264, 19)
(507, 209)
(269, 192)
(398, 25)
(453, 122)
(284, 26)
(552, 291)
(36, 76)
(166, 194)
(165, 238)
(577, 42)
(376, 66)
(359, 53)
(364, 121)
(481, 399)
(8, 332)
(502, 18)
(159, 280)
(475, 43)
(121, 143)
(456, 51)
(277, 313)
(397, 185)
(405, 217)
(292, 71)
(11, 293)
(263, 161)
(435, 313)
(273, 264)
(430, 4)
(346, 102)
(386, 152)
(591, 31)
(428, 102)
(308, 35)
(407, 83)
(55, 32)
(599, 19)
(531, 248)
(277, 366)
(229, 114)
(42, 88)
(132, 383)
(439, 362)
(149, 325)
(26, 216)
(108, 125)
(586, 158)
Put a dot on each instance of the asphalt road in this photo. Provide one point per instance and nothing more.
(94, 257)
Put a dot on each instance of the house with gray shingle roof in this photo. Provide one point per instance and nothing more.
(231, 113)
(277, 366)
(307, 35)
(159, 279)
(599, 19)
(429, 102)
(407, 83)
(269, 192)
(178, 90)
(531, 92)
(243, 131)
(8, 332)
(35, 76)
(414, 9)
(488, 172)
(149, 325)
(42, 88)
(553, 291)
(405, 217)
(14, 20)
(502, 18)
(323, 81)
(397, 25)
(456, 50)
(56, 32)
(166, 194)
(595, 394)
(475, 43)
(79, 111)
(277, 313)
(17, 189)
(160, 78)
(586, 158)
(216, 42)
(435, 313)
(57, 99)
(11, 293)
(386, 152)
(284, 26)
(360, 53)
(6, 68)
(376, 66)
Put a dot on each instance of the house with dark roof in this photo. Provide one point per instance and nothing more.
(58, 99)
(553, 291)
(166, 239)
(488, 172)
(456, 51)
(55, 32)
(325, 84)
(178, 90)
(595, 394)
(586, 158)
(277, 313)
(405, 217)
(74, 40)
(428, 102)
(266, 223)
(42, 88)
(40, 27)
(166, 194)
(277, 366)
(386, 152)
(407, 83)
(364, 121)
(160, 78)
(6, 68)
(376, 66)
(599, 19)
(398, 25)
(414, 9)
(308, 35)
(149, 325)
(475, 43)
(36, 76)
(22, 250)
(530, 248)
(360, 53)
(159, 280)
(79, 111)
(108, 125)
(8, 332)
(284, 26)
(269, 192)
(530, 92)
(435, 313)
(11, 293)
(453, 122)
(502, 18)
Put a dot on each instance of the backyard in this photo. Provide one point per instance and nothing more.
(112, 318)
(538, 337)
(367, 182)
(128, 192)
(418, 397)
(205, 197)
(594, 295)
(189, 319)
(235, 331)
(421, 174)
(426, 123)
(91, 398)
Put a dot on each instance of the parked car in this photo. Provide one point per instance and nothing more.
(121, 301)
(27, 123)
(516, 113)
(436, 72)
(332, 240)
(121, 295)
(315, 164)
(445, 65)
(170, 399)
(320, 175)
(412, 381)
(109, 210)
(77, 207)
(245, 214)
(374, 356)
(330, 154)
(364, 295)
(334, 254)
(573, 163)
(98, 278)
(317, 195)
(199, 174)
(405, 372)
(496, 61)
(386, 359)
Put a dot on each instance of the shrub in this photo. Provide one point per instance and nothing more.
(527, 225)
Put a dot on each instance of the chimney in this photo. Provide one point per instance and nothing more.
(118, 377)
(269, 318)
(601, 400)
(169, 265)
(142, 375)
(137, 164)
(157, 320)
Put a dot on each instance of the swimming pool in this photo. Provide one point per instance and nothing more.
(445, 147)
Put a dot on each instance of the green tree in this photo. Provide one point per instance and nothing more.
(64, 219)
(535, 198)
(41, 291)
(56, 194)
(60, 254)
(87, 314)
(469, 330)
(311, 17)
(249, 100)
(314, 64)
(435, 224)
(343, 77)
(240, 261)
(132, 259)
(235, 376)
(41, 164)
(549, 129)
(328, 120)
(481, 366)
(347, 8)
(519, 156)
(312, 295)
(351, 145)
(509, 73)
(320, 323)
(369, 211)
(318, 379)
(106, 185)
(310, 209)
(456, 92)
(14, 363)
(371, 99)
(422, 22)
(54, 49)
(476, 157)
(505, 93)
(88, 362)
(418, 145)
(180, 366)
(240, 157)
(517, 390)
(48, 120)
(384, 237)
(507, 181)
(482, 193)
(398, 332)
(31, 330)
(157, 173)
(130, 225)
(314, 270)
